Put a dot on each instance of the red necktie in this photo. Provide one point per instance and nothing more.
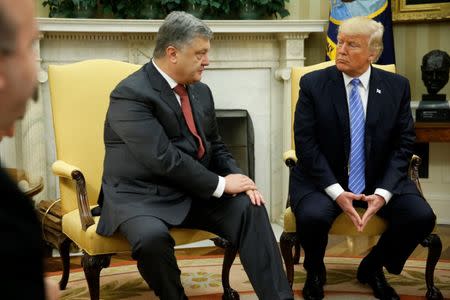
(187, 112)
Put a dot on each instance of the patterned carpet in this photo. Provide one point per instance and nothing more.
(202, 280)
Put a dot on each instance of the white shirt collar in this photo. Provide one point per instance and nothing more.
(172, 83)
(364, 78)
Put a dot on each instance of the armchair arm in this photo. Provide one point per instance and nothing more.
(290, 159)
(413, 172)
(63, 169)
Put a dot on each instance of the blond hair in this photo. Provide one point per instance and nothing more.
(367, 27)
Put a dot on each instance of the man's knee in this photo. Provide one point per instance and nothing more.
(314, 218)
(255, 211)
(315, 209)
(241, 204)
(424, 218)
(240, 215)
(155, 243)
(413, 213)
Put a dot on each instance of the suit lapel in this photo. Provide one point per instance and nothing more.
(195, 106)
(339, 96)
(166, 93)
(374, 106)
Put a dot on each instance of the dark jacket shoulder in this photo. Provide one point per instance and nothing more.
(390, 78)
(136, 86)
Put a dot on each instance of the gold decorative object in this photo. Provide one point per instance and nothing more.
(420, 11)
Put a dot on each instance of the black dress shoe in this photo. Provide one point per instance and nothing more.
(313, 289)
(323, 274)
(376, 280)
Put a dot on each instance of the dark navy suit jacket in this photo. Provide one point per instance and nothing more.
(322, 134)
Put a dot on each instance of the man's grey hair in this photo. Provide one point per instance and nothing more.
(7, 32)
(179, 29)
(367, 27)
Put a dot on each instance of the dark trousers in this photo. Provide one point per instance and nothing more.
(233, 218)
(410, 220)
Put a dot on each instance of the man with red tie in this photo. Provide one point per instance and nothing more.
(166, 166)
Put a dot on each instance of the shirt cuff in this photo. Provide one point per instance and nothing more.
(384, 193)
(334, 190)
(220, 188)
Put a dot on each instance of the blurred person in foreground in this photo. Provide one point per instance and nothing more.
(22, 249)
(354, 135)
(166, 166)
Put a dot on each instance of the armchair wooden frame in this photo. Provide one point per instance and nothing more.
(80, 156)
(290, 246)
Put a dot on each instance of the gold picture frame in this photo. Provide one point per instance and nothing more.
(420, 10)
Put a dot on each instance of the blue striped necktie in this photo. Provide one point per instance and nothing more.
(356, 179)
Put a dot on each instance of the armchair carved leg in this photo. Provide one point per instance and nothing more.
(288, 240)
(64, 247)
(92, 265)
(434, 245)
(228, 259)
(297, 252)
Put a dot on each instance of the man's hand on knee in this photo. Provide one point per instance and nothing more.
(238, 183)
(255, 197)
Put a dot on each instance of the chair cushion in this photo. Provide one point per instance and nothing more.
(95, 244)
(342, 225)
(290, 225)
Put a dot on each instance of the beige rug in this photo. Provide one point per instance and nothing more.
(202, 280)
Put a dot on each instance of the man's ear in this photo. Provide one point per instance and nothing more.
(2, 80)
(3, 73)
(171, 53)
(372, 56)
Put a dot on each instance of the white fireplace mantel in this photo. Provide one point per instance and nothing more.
(152, 26)
(249, 69)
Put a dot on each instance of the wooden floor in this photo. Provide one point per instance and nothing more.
(337, 246)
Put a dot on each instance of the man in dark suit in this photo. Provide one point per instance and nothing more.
(22, 246)
(354, 134)
(166, 166)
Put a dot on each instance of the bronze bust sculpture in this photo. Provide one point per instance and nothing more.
(435, 73)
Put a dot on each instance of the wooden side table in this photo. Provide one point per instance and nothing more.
(432, 132)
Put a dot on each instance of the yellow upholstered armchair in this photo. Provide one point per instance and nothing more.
(290, 246)
(80, 97)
